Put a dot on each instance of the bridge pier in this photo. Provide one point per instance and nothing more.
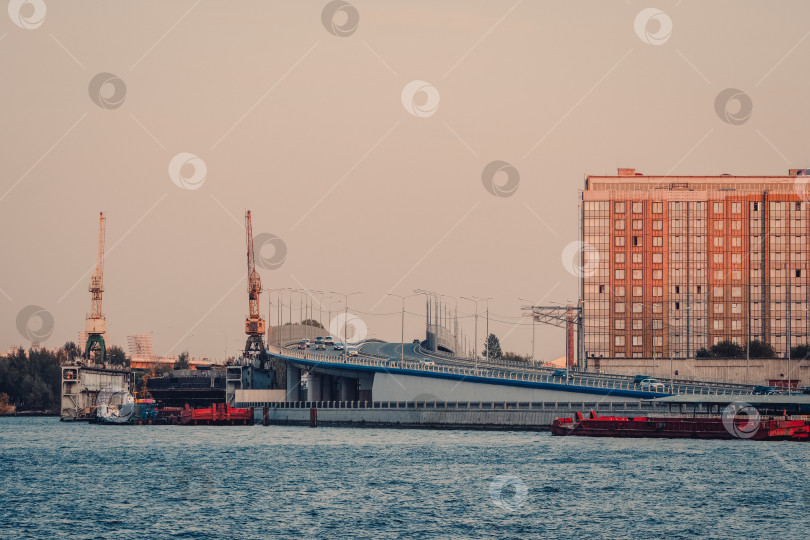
(293, 383)
(348, 389)
(328, 388)
(315, 387)
(364, 386)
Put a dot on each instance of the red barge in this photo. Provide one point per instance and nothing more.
(218, 414)
(687, 427)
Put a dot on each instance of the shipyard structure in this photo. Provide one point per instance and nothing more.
(674, 264)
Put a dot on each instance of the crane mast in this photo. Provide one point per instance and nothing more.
(254, 324)
(95, 323)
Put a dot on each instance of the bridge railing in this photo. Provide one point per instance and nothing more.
(574, 379)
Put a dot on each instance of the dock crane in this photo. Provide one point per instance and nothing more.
(95, 324)
(254, 324)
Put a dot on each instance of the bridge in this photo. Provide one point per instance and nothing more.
(407, 372)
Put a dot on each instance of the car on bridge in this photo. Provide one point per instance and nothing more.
(638, 378)
(652, 385)
(765, 391)
(559, 374)
(329, 341)
(303, 344)
(427, 362)
(339, 346)
(319, 344)
(352, 351)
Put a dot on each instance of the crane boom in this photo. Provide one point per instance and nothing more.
(254, 325)
(95, 324)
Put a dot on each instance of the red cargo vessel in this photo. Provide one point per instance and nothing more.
(696, 427)
(218, 414)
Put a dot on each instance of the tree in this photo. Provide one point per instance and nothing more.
(515, 357)
(703, 352)
(727, 349)
(312, 322)
(800, 352)
(117, 356)
(493, 344)
(182, 361)
(72, 351)
(760, 349)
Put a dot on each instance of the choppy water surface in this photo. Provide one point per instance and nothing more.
(59, 479)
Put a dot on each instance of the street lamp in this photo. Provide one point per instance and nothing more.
(532, 301)
(402, 339)
(487, 299)
(345, 316)
(475, 301)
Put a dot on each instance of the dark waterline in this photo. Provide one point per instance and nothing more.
(90, 481)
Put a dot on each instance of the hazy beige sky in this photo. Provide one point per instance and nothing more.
(309, 130)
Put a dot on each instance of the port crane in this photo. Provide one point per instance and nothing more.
(254, 324)
(95, 324)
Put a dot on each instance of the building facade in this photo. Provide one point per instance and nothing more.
(671, 264)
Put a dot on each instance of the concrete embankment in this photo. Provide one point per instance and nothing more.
(440, 415)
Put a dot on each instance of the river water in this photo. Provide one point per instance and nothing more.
(90, 481)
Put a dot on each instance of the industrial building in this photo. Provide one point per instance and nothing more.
(673, 264)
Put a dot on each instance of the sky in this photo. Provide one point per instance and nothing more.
(362, 138)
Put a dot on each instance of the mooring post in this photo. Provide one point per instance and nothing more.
(313, 417)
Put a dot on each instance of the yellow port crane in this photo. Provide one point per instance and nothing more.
(254, 324)
(95, 323)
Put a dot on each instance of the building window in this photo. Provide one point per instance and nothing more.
(618, 274)
(736, 275)
(658, 241)
(658, 324)
(618, 207)
(636, 341)
(718, 225)
(736, 291)
(677, 289)
(718, 241)
(658, 341)
(736, 208)
(736, 242)
(718, 274)
(637, 258)
(618, 341)
(736, 258)
(620, 241)
(718, 308)
(619, 258)
(658, 225)
(658, 258)
(718, 324)
(736, 225)
(657, 208)
(619, 307)
(658, 274)
(798, 273)
(619, 291)
(618, 324)
(756, 207)
(638, 274)
(658, 291)
(637, 207)
(619, 226)
(637, 241)
(658, 307)
(636, 291)
(718, 208)
(736, 325)
(637, 307)
(637, 324)
(636, 224)
(718, 257)
(718, 292)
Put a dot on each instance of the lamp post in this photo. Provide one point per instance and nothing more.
(475, 301)
(427, 308)
(487, 300)
(532, 301)
(402, 338)
(345, 317)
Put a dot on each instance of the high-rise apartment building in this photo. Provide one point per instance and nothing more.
(672, 264)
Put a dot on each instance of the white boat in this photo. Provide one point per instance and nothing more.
(115, 406)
